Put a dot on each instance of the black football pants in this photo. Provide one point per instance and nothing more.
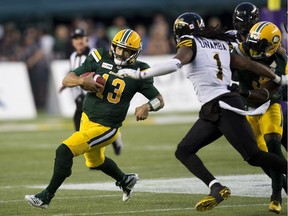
(239, 134)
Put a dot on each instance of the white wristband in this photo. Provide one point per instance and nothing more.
(277, 79)
(154, 104)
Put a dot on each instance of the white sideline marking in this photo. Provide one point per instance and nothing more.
(58, 125)
(156, 210)
(240, 185)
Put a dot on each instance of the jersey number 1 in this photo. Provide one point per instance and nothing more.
(219, 67)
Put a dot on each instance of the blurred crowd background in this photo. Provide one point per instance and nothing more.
(37, 32)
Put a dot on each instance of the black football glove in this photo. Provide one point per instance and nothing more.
(236, 88)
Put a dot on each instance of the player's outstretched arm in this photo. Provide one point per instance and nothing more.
(183, 56)
(239, 62)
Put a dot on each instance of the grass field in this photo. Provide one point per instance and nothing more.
(164, 188)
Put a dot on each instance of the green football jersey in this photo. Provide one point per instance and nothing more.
(109, 106)
(250, 81)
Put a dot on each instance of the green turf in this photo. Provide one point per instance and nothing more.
(27, 157)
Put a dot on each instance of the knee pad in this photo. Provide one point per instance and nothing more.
(63, 161)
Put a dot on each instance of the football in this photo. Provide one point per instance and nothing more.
(97, 78)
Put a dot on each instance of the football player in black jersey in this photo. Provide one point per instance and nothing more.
(244, 17)
(207, 58)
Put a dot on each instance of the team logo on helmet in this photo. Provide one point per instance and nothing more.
(263, 40)
(276, 39)
(179, 23)
(129, 40)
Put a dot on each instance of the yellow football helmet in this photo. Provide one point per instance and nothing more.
(128, 40)
(263, 40)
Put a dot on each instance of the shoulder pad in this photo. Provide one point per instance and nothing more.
(185, 40)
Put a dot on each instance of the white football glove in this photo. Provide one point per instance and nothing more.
(128, 72)
(284, 80)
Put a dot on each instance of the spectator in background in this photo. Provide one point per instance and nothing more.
(10, 47)
(119, 23)
(283, 28)
(158, 43)
(81, 23)
(46, 43)
(142, 31)
(100, 38)
(62, 41)
(214, 21)
(38, 67)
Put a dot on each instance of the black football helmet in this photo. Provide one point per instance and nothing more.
(186, 24)
(244, 17)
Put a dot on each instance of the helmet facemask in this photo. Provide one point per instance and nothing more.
(263, 40)
(259, 49)
(130, 42)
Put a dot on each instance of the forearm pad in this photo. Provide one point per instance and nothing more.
(161, 69)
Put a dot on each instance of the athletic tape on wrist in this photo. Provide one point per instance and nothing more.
(277, 79)
(154, 104)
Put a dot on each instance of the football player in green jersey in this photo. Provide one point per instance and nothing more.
(105, 108)
(245, 16)
(261, 45)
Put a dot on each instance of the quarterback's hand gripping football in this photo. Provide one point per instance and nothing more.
(89, 83)
(131, 73)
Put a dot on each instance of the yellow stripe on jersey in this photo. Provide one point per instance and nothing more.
(187, 43)
(286, 69)
(96, 55)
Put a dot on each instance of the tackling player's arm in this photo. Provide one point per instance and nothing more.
(183, 56)
(256, 95)
(242, 63)
(268, 90)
